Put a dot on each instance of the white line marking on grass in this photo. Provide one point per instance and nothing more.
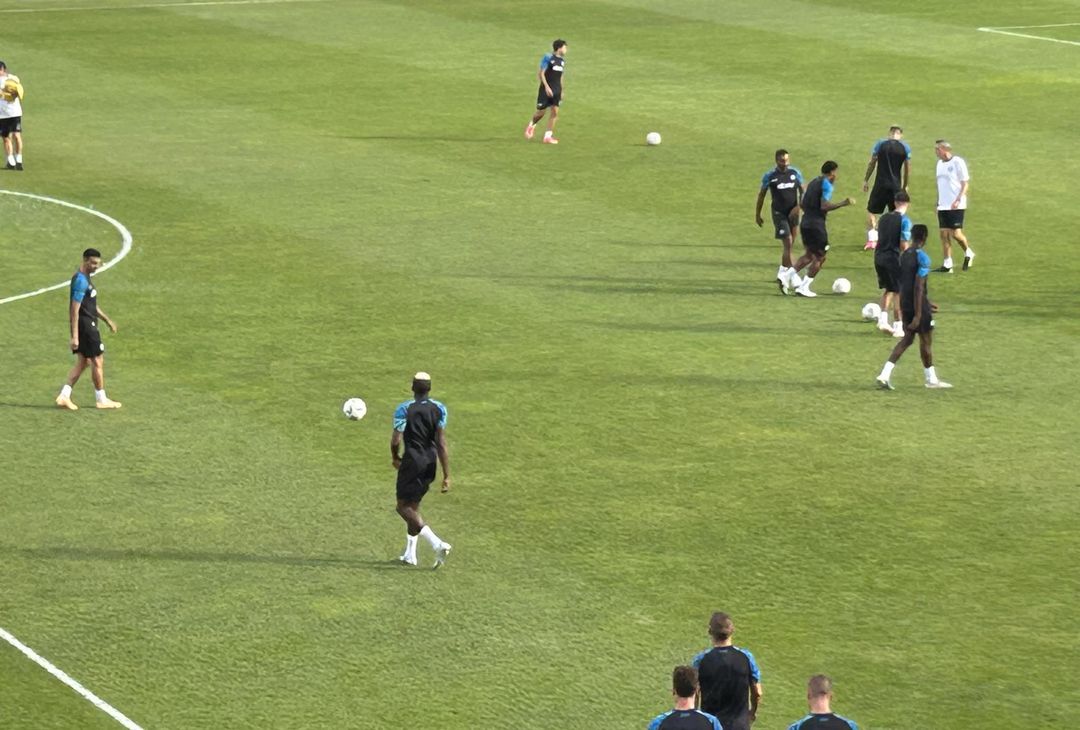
(63, 677)
(125, 237)
(154, 6)
(1001, 31)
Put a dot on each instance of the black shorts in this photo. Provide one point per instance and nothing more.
(888, 275)
(729, 723)
(90, 344)
(414, 479)
(950, 218)
(785, 223)
(815, 238)
(9, 125)
(543, 101)
(881, 199)
(926, 324)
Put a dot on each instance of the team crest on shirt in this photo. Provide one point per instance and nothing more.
(792, 177)
(93, 292)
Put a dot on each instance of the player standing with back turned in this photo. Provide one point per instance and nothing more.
(550, 74)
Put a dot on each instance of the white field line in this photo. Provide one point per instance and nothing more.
(63, 677)
(125, 237)
(1004, 30)
(154, 6)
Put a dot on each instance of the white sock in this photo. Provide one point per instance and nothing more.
(807, 281)
(782, 272)
(886, 370)
(931, 375)
(947, 263)
(547, 134)
(18, 159)
(969, 254)
(431, 537)
(11, 159)
(883, 319)
(532, 124)
(99, 396)
(65, 392)
(410, 546)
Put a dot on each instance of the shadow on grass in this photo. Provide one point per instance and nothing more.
(200, 556)
(45, 406)
(426, 138)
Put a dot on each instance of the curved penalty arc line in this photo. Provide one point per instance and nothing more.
(125, 238)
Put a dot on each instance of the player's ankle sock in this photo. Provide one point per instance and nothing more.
(931, 375)
(11, 159)
(431, 537)
(65, 392)
(886, 371)
(782, 272)
(548, 134)
(883, 319)
(807, 281)
(947, 263)
(969, 254)
(99, 396)
(532, 124)
(410, 546)
(18, 159)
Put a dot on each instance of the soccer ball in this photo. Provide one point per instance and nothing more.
(652, 138)
(841, 286)
(354, 409)
(870, 311)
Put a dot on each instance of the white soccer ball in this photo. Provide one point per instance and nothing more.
(841, 286)
(354, 409)
(871, 311)
(652, 138)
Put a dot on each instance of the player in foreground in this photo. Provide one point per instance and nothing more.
(815, 236)
(894, 236)
(11, 95)
(952, 183)
(785, 184)
(83, 314)
(684, 685)
(821, 717)
(917, 311)
(550, 94)
(420, 424)
(889, 156)
(729, 676)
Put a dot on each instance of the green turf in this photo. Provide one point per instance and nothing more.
(328, 196)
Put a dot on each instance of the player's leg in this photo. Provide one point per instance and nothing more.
(884, 378)
(97, 373)
(926, 351)
(871, 231)
(946, 248)
(9, 156)
(409, 511)
(64, 399)
(553, 118)
(969, 255)
(17, 146)
(530, 128)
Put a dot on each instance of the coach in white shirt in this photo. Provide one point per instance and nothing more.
(952, 185)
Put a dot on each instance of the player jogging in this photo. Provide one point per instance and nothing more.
(917, 310)
(729, 677)
(83, 314)
(952, 184)
(815, 236)
(785, 184)
(894, 236)
(420, 424)
(550, 94)
(11, 96)
(889, 156)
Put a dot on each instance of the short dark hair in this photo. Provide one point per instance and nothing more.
(780, 153)
(895, 128)
(421, 387)
(557, 44)
(3, 65)
(684, 681)
(919, 232)
(819, 686)
(902, 197)
(828, 167)
(91, 253)
(721, 626)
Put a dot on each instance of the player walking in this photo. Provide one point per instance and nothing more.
(889, 156)
(83, 314)
(11, 96)
(815, 236)
(952, 184)
(785, 184)
(420, 424)
(550, 93)
(894, 236)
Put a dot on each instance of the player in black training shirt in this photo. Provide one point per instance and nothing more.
(894, 236)
(890, 156)
(684, 685)
(729, 677)
(549, 96)
(785, 183)
(419, 424)
(83, 314)
(816, 204)
(821, 717)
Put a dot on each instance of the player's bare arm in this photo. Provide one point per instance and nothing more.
(869, 171)
(395, 446)
(826, 206)
(907, 174)
(920, 294)
(74, 317)
(757, 211)
(105, 318)
(755, 700)
(444, 457)
(961, 194)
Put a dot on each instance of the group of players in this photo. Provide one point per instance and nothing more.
(901, 264)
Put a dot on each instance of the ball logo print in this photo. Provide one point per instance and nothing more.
(354, 409)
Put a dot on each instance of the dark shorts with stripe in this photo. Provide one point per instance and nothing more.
(786, 224)
(10, 125)
(90, 344)
(414, 479)
(881, 198)
(543, 101)
(950, 218)
(926, 323)
(814, 237)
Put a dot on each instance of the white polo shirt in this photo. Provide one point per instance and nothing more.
(950, 174)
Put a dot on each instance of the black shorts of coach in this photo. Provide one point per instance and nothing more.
(888, 275)
(90, 344)
(814, 238)
(926, 324)
(543, 101)
(881, 199)
(9, 126)
(785, 223)
(414, 479)
(950, 218)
